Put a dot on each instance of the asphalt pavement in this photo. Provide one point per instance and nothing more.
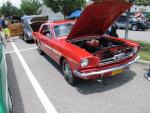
(125, 93)
(136, 35)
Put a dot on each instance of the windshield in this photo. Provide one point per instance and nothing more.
(63, 29)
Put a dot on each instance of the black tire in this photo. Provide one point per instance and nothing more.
(39, 48)
(25, 38)
(143, 29)
(68, 75)
(134, 27)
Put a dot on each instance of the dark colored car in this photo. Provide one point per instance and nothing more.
(32, 24)
(5, 98)
(134, 24)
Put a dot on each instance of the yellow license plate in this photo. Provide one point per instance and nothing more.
(117, 72)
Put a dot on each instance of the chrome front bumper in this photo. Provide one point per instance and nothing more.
(79, 74)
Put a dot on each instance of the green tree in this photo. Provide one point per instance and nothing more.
(64, 6)
(142, 2)
(30, 7)
(8, 9)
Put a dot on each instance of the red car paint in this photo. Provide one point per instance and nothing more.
(97, 18)
(94, 21)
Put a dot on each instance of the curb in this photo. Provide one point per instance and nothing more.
(143, 62)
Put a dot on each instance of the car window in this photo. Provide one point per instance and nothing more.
(63, 29)
(46, 31)
(122, 19)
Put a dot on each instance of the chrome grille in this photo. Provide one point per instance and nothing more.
(116, 58)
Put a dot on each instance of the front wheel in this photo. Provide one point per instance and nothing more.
(68, 75)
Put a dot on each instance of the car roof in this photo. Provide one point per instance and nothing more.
(59, 22)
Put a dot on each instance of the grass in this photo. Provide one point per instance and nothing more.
(144, 53)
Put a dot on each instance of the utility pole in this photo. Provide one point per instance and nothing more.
(127, 24)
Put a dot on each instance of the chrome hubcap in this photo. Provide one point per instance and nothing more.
(134, 27)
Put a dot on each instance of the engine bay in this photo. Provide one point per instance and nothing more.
(105, 48)
(93, 45)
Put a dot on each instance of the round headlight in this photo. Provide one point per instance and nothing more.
(84, 62)
(135, 49)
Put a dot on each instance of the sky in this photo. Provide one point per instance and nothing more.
(14, 2)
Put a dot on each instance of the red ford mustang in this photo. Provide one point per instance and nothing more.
(82, 49)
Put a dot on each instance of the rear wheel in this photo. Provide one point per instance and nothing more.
(25, 38)
(39, 49)
(134, 27)
(68, 75)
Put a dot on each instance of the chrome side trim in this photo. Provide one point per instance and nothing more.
(79, 74)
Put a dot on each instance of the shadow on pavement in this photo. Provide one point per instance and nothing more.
(28, 42)
(58, 67)
(89, 87)
(14, 87)
(86, 87)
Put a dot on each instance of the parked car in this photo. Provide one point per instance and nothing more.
(15, 26)
(134, 24)
(5, 97)
(85, 52)
(32, 23)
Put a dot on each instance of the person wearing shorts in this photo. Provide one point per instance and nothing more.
(7, 33)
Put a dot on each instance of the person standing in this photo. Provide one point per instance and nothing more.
(139, 15)
(113, 31)
(4, 28)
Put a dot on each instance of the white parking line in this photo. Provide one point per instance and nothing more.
(28, 49)
(21, 50)
(38, 89)
(9, 52)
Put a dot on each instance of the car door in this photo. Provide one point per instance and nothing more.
(47, 41)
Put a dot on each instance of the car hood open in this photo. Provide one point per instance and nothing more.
(98, 17)
(39, 19)
(35, 18)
